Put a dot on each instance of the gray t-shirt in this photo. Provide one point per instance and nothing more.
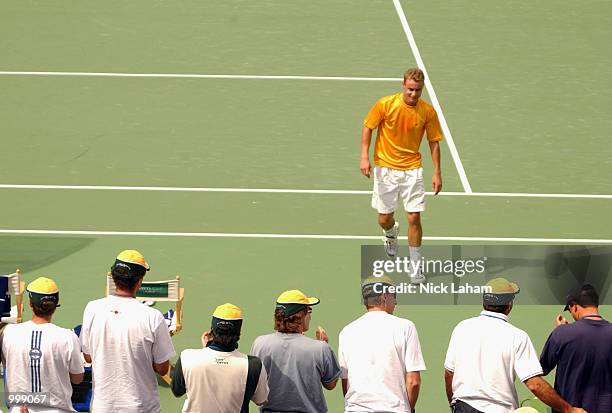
(296, 366)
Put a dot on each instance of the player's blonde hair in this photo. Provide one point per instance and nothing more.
(415, 74)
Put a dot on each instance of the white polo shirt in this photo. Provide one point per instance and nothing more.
(486, 354)
(375, 352)
(38, 359)
(124, 339)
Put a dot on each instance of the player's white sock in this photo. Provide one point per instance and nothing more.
(416, 256)
(392, 232)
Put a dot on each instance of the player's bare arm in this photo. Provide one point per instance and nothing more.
(436, 181)
(413, 385)
(543, 391)
(364, 165)
(448, 384)
(162, 368)
(76, 378)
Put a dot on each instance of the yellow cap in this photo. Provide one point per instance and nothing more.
(503, 286)
(228, 311)
(43, 285)
(133, 257)
(296, 297)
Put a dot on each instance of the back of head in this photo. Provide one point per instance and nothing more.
(585, 296)
(500, 295)
(226, 326)
(44, 296)
(289, 323)
(292, 307)
(129, 268)
(372, 290)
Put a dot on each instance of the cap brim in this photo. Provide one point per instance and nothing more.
(313, 301)
(566, 308)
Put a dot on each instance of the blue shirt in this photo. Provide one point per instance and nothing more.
(582, 353)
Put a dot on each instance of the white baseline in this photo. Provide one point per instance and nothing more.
(293, 191)
(199, 76)
(295, 236)
(434, 99)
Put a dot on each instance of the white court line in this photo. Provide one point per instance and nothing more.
(294, 236)
(434, 99)
(296, 191)
(200, 76)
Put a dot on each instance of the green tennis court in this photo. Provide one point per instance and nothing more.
(221, 139)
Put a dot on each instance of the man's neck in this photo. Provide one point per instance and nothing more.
(589, 312)
(124, 293)
(377, 308)
(40, 320)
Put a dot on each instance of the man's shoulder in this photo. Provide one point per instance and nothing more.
(361, 324)
(425, 105)
(390, 99)
(264, 341)
(12, 329)
(468, 323)
(94, 304)
(265, 337)
(568, 330)
(61, 331)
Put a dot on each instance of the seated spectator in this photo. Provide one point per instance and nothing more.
(582, 353)
(39, 356)
(218, 378)
(380, 355)
(297, 366)
(126, 342)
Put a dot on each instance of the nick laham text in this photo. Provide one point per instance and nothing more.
(432, 288)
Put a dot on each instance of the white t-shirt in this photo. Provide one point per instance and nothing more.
(485, 354)
(216, 381)
(38, 359)
(375, 353)
(124, 339)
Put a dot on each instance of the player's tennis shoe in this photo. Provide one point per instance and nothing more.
(418, 279)
(416, 275)
(390, 240)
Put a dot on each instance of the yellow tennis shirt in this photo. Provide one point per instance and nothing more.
(400, 131)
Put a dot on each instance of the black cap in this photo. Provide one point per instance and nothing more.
(585, 296)
(127, 269)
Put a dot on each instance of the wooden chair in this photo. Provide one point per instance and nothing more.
(16, 287)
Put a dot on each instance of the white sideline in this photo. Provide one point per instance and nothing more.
(295, 191)
(434, 99)
(199, 76)
(295, 236)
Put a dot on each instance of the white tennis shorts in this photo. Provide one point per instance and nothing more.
(391, 186)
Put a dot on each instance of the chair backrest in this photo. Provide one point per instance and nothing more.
(16, 288)
(14, 283)
(167, 290)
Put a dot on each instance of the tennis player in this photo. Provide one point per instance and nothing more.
(401, 120)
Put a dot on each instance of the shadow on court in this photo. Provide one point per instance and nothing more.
(30, 253)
